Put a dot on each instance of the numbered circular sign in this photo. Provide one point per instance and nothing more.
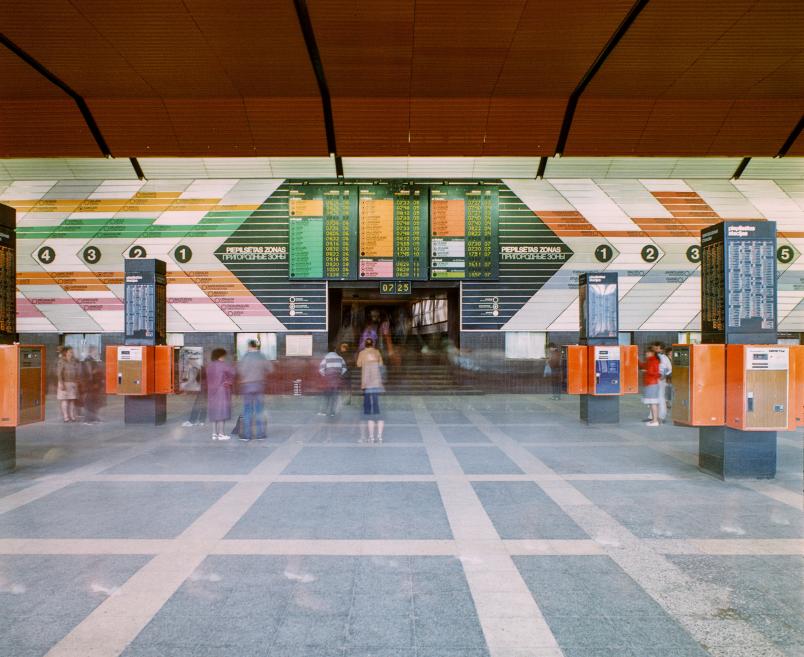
(183, 254)
(46, 254)
(694, 253)
(785, 254)
(91, 255)
(137, 251)
(650, 253)
(604, 253)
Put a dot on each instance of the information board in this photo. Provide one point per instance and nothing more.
(393, 232)
(738, 286)
(145, 303)
(463, 232)
(598, 306)
(8, 273)
(322, 232)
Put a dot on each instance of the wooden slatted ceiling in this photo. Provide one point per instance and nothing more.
(166, 77)
(698, 78)
(36, 117)
(555, 43)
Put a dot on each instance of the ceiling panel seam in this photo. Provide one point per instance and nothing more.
(61, 84)
(314, 54)
(575, 96)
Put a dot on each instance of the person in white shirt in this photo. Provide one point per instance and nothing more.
(665, 370)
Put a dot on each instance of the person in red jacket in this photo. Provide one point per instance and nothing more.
(650, 383)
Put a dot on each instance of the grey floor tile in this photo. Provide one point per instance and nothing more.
(520, 509)
(43, 598)
(360, 460)
(700, 508)
(616, 459)
(485, 460)
(342, 511)
(113, 510)
(463, 434)
(214, 458)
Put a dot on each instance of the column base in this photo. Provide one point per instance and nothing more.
(600, 410)
(8, 449)
(733, 454)
(149, 409)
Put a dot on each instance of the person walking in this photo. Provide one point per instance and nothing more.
(92, 383)
(370, 362)
(220, 381)
(67, 375)
(650, 381)
(251, 372)
(332, 368)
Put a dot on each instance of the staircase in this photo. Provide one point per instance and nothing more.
(420, 374)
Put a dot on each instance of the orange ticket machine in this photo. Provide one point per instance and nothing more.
(797, 357)
(761, 395)
(574, 370)
(22, 392)
(600, 370)
(142, 370)
(699, 383)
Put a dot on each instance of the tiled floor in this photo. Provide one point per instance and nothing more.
(484, 526)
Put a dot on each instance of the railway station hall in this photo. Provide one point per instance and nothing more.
(401, 328)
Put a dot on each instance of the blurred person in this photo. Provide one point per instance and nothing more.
(370, 330)
(345, 352)
(220, 377)
(67, 377)
(370, 362)
(252, 370)
(554, 363)
(668, 351)
(665, 370)
(650, 383)
(332, 368)
(198, 413)
(92, 385)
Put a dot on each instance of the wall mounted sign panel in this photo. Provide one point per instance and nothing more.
(322, 230)
(463, 232)
(393, 232)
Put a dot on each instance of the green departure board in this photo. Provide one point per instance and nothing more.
(393, 232)
(322, 232)
(463, 232)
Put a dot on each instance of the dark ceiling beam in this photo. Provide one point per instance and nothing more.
(66, 88)
(137, 168)
(542, 168)
(788, 143)
(314, 54)
(575, 96)
(740, 168)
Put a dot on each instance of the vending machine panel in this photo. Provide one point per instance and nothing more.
(574, 369)
(797, 373)
(604, 370)
(130, 370)
(759, 395)
(22, 394)
(629, 366)
(166, 370)
(699, 383)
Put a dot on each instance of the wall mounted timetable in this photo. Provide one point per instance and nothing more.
(463, 232)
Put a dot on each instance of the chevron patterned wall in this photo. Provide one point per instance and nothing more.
(73, 236)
